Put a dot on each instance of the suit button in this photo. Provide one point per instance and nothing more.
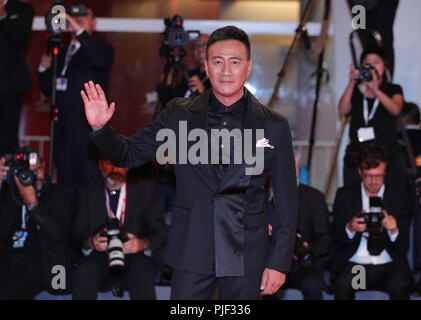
(238, 252)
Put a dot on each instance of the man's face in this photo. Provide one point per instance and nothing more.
(228, 68)
(199, 49)
(114, 173)
(87, 22)
(373, 178)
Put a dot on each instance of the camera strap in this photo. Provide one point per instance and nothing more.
(368, 117)
(121, 207)
(23, 225)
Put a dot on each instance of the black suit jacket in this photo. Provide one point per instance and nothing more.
(313, 220)
(53, 216)
(347, 203)
(15, 30)
(144, 215)
(220, 227)
(74, 157)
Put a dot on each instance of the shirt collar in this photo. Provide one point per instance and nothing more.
(237, 108)
(5, 2)
(412, 127)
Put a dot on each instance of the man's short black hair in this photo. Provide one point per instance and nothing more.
(411, 111)
(371, 157)
(229, 33)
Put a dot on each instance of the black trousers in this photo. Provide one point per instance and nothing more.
(10, 108)
(393, 278)
(193, 286)
(309, 280)
(91, 276)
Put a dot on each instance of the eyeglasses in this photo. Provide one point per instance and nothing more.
(373, 176)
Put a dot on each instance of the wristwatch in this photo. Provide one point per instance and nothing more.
(147, 251)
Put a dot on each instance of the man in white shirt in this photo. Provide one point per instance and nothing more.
(387, 269)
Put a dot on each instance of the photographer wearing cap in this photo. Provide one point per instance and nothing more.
(35, 218)
(131, 262)
(15, 30)
(374, 234)
(373, 104)
(84, 58)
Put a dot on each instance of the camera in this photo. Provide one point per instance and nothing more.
(365, 73)
(301, 251)
(116, 237)
(19, 164)
(175, 35)
(54, 23)
(373, 219)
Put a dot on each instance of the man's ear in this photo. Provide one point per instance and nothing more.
(206, 67)
(249, 67)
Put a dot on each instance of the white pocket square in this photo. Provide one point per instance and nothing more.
(14, 16)
(264, 143)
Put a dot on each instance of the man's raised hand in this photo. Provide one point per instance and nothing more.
(97, 111)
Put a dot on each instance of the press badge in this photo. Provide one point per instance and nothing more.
(61, 84)
(19, 239)
(366, 134)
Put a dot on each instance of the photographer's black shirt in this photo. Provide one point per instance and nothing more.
(383, 122)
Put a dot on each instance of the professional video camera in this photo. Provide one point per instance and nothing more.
(373, 219)
(176, 36)
(20, 167)
(54, 23)
(301, 251)
(116, 237)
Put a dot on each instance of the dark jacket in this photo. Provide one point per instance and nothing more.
(313, 220)
(53, 217)
(144, 216)
(15, 30)
(220, 227)
(347, 203)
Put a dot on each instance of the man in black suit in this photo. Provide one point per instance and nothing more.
(385, 263)
(218, 234)
(15, 29)
(84, 58)
(35, 224)
(312, 241)
(136, 205)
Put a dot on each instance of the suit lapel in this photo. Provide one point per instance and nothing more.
(199, 120)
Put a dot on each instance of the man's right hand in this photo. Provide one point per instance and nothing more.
(46, 60)
(99, 242)
(97, 111)
(357, 225)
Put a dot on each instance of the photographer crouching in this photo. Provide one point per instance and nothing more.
(35, 219)
(119, 230)
(371, 229)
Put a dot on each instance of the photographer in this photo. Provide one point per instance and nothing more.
(34, 234)
(84, 58)
(178, 86)
(374, 105)
(137, 208)
(312, 242)
(15, 30)
(375, 239)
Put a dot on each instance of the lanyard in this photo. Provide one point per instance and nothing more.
(69, 55)
(121, 207)
(368, 117)
(23, 226)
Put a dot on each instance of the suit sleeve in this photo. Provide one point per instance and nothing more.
(402, 215)
(340, 220)
(100, 54)
(319, 245)
(157, 233)
(285, 215)
(138, 149)
(81, 226)
(54, 219)
(17, 31)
